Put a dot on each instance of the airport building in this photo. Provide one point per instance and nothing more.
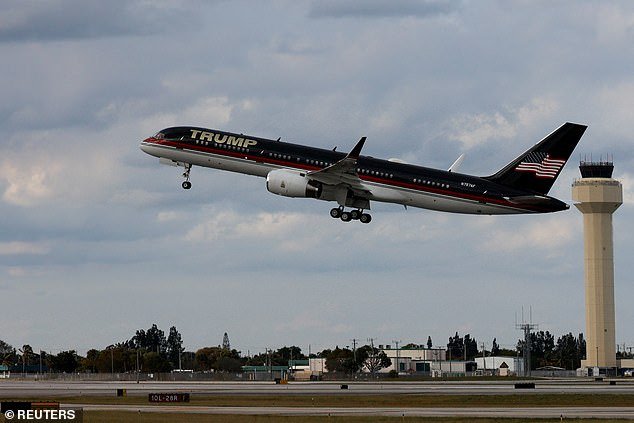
(4, 371)
(412, 359)
(254, 373)
(500, 366)
(408, 360)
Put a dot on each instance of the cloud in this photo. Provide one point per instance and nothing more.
(49, 20)
(476, 129)
(169, 216)
(27, 185)
(230, 225)
(210, 109)
(613, 23)
(33, 176)
(16, 272)
(20, 248)
(546, 235)
(216, 109)
(627, 180)
(381, 8)
(294, 233)
(136, 197)
(288, 231)
(315, 321)
(616, 103)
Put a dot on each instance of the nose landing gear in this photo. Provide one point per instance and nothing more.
(186, 184)
(339, 213)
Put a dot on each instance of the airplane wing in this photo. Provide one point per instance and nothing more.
(344, 172)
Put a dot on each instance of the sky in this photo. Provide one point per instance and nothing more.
(97, 239)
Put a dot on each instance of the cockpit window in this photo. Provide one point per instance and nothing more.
(159, 136)
(176, 133)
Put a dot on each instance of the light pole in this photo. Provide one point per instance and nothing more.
(484, 359)
(24, 352)
(354, 354)
(450, 357)
(398, 369)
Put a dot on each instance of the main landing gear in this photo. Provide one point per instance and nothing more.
(339, 213)
(186, 184)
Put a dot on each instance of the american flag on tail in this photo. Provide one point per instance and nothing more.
(541, 165)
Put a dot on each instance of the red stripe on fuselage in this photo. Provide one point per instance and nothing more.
(307, 167)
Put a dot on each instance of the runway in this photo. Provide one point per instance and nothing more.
(17, 389)
(497, 412)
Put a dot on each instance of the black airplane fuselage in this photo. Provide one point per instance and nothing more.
(293, 169)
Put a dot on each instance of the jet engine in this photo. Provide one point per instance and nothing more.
(292, 184)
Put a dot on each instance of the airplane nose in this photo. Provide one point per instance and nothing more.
(145, 145)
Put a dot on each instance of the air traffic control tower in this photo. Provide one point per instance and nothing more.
(598, 196)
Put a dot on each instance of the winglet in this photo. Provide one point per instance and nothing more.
(354, 154)
(344, 167)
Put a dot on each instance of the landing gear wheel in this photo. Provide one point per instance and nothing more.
(355, 214)
(365, 218)
(335, 213)
(346, 217)
(187, 184)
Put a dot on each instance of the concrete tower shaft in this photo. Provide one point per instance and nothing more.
(597, 199)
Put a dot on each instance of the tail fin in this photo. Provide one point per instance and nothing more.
(537, 169)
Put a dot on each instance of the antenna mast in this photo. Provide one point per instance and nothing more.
(527, 328)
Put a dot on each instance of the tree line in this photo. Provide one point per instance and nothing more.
(151, 351)
(565, 352)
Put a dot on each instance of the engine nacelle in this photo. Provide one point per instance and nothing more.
(289, 183)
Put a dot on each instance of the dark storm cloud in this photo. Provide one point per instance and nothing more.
(78, 19)
(381, 8)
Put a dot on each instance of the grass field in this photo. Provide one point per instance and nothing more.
(130, 417)
(400, 400)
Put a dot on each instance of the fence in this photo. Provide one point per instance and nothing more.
(131, 377)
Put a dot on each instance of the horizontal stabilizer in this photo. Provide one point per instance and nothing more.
(527, 199)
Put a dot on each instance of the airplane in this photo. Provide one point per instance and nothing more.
(353, 180)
